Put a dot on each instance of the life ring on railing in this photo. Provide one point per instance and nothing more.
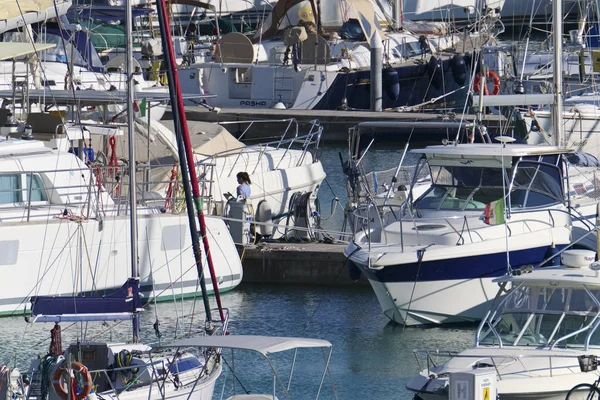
(78, 368)
(493, 77)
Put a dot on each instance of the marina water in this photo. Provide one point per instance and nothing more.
(372, 358)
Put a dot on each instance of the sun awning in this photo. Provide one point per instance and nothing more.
(261, 344)
(10, 50)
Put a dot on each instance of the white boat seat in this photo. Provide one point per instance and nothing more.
(252, 397)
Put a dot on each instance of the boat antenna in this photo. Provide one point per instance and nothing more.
(135, 271)
(557, 108)
(185, 152)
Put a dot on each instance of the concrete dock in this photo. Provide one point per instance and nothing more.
(335, 122)
(296, 263)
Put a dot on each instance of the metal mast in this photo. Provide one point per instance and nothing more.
(135, 272)
(557, 109)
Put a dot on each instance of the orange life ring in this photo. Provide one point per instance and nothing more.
(78, 368)
(493, 77)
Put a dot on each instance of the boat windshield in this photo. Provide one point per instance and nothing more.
(544, 316)
(472, 188)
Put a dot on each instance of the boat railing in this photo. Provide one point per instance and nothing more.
(386, 214)
(291, 126)
(308, 142)
(80, 199)
(435, 357)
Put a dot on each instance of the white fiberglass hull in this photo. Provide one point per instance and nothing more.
(58, 256)
(422, 304)
(525, 373)
(433, 289)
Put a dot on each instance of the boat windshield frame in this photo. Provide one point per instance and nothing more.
(546, 316)
(476, 196)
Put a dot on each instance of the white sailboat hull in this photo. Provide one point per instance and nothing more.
(47, 255)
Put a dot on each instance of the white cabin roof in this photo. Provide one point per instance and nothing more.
(490, 150)
(484, 155)
(261, 344)
(22, 147)
(559, 276)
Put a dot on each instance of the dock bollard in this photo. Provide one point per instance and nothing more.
(376, 68)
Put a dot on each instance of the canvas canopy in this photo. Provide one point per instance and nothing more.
(9, 50)
(262, 344)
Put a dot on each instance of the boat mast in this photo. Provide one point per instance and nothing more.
(186, 156)
(557, 108)
(135, 272)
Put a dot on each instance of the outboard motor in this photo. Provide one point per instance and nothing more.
(264, 217)
(240, 225)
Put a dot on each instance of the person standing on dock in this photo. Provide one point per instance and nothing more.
(243, 189)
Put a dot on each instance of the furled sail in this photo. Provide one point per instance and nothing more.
(114, 306)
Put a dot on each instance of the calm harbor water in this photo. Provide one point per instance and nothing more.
(372, 358)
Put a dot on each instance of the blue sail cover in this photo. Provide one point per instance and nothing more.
(87, 57)
(120, 304)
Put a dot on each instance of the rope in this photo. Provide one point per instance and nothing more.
(46, 367)
(420, 254)
(113, 160)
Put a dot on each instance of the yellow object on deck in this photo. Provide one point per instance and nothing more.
(596, 60)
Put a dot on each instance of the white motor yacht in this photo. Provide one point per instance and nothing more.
(422, 255)
(542, 322)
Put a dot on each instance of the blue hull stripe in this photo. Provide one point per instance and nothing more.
(481, 266)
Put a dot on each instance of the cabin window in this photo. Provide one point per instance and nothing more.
(542, 316)
(10, 188)
(536, 185)
(462, 188)
(15, 188)
(472, 188)
(37, 190)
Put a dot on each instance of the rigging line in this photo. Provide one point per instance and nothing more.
(37, 286)
(328, 291)
(110, 328)
(70, 81)
(234, 375)
(420, 255)
(153, 288)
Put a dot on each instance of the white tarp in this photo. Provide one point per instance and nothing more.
(261, 344)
